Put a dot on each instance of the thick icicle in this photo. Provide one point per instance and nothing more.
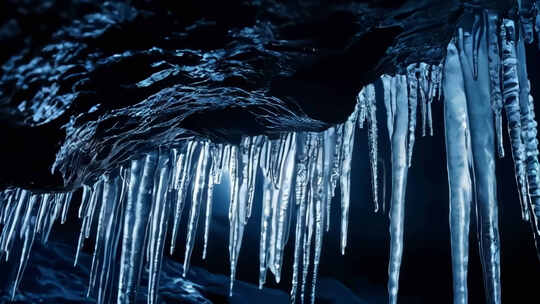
(201, 173)
(399, 184)
(345, 178)
(286, 188)
(483, 144)
(412, 82)
(494, 63)
(459, 164)
(512, 109)
(238, 178)
(136, 215)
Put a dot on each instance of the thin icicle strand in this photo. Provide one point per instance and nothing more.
(372, 142)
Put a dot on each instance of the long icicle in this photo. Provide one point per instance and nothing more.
(199, 183)
(158, 224)
(399, 183)
(136, 215)
(529, 133)
(286, 189)
(111, 198)
(345, 178)
(512, 109)
(459, 162)
(318, 189)
(483, 144)
(372, 142)
(182, 190)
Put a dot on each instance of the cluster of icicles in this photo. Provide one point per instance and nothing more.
(140, 204)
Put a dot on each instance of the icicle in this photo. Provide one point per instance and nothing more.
(399, 184)
(363, 107)
(494, 63)
(42, 211)
(212, 180)
(29, 236)
(529, 135)
(345, 179)
(423, 83)
(302, 160)
(109, 232)
(412, 82)
(266, 212)
(158, 224)
(284, 202)
(372, 142)
(299, 238)
(182, 190)
(237, 209)
(431, 98)
(319, 213)
(65, 206)
(201, 173)
(135, 222)
(512, 109)
(87, 193)
(336, 169)
(105, 213)
(34, 200)
(329, 147)
(388, 83)
(310, 211)
(459, 163)
(95, 200)
(477, 36)
(483, 144)
(10, 229)
(54, 212)
(253, 164)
